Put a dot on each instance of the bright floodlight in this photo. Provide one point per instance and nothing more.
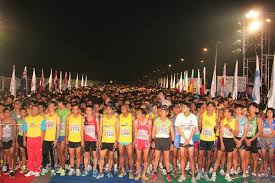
(169, 65)
(252, 14)
(202, 61)
(254, 26)
(268, 20)
(205, 49)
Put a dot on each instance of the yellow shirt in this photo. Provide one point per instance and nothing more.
(208, 125)
(75, 128)
(34, 125)
(125, 128)
(109, 129)
(51, 121)
(226, 132)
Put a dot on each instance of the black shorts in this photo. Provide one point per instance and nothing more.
(229, 144)
(253, 148)
(108, 146)
(20, 141)
(218, 144)
(243, 145)
(74, 144)
(7, 145)
(186, 146)
(206, 145)
(89, 146)
(163, 144)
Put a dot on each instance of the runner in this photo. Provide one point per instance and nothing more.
(91, 126)
(163, 139)
(125, 140)
(254, 131)
(186, 124)
(74, 138)
(142, 139)
(50, 139)
(107, 139)
(9, 134)
(207, 124)
(22, 149)
(63, 112)
(266, 142)
(34, 129)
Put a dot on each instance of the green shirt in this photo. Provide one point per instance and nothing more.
(63, 119)
(20, 125)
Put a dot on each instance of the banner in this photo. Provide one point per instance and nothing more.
(229, 84)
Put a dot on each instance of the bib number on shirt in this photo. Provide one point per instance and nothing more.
(207, 132)
(163, 130)
(227, 133)
(6, 132)
(75, 128)
(49, 124)
(125, 132)
(109, 133)
(267, 131)
(90, 131)
(142, 135)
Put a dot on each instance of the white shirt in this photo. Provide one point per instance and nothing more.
(186, 123)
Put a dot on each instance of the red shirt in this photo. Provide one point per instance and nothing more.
(90, 130)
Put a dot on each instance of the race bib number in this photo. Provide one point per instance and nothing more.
(142, 135)
(163, 130)
(227, 133)
(125, 132)
(90, 131)
(62, 127)
(49, 124)
(75, 128)
(20, 130)
(186, 128)
(207, 132)
(267, 131)
(7, 132)
(109, 133)
(241, 131)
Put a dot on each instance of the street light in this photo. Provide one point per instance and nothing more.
(252, 14)
(182, 59)
(268, 20)
(169, 65)
(202, 61)
(254, 26)
(205, 49)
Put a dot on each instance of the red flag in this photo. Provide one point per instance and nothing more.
(42, 82)
(65, 81)
(55, 81)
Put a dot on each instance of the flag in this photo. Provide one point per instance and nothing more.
(82, 81)
(174, 82)
(55, 81)
(76, 81)
(271, 94)
(191, 85)
(186, 81)
(33, 84)
(204, 81)
(65, 81)
(223, 80)
(235, 87)
(24, 81)
(85, 83)
(51, 80)
(167, 82)
(171, 82)
(214, 83)
(13, 83)
(256, 95)
(60, 81)
(69, 81)
(180, 83)
(42, 82)
(198, 82)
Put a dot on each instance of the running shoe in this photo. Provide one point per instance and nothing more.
(169, 178)
(110, 175)
(100, 175)
(182, 178)
(62, 172)
(213, 178)
(131, 175)
(85, 172)
(228, 178)
(199, 175)
(36, 174)
(78, 172)
(30, 173)
(154, 177)
(193, 180)
(44, 171)
(121, 174)
(11, 174)
(222, 172)
(95, 173)
(71, 172)
(53, 173)
(23, 169)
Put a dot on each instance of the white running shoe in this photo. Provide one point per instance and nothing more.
(222, 172)
(30, 173)
(182, 178)
(211, 170)
(228, 178)
(78, 173)
(199, 175)
(213, 178)
(36, 174)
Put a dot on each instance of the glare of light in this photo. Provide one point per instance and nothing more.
(252, 14)
(205, 49)
(169, 65)
(158, 70)
(202, 61)
(254, 26)
(268, 20)
(182, 59)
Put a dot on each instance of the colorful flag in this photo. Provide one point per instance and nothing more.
(55, 81)
(191, 85)
(223, 80)
(198, 83)
(256, 94)
(76, 81)
(271, 92)
(235, 87)
(42, 82)
(13, 83)
(174, 82)
(69, 81)
(186, 81)
(180, 83)
(204, 81)
(167, 82)
(65, 81)
(60, 81)
(171, 81)
(24, 81)
(51, 80)
(214, 83)
(33, 84)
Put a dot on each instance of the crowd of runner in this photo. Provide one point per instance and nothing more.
(135, 131)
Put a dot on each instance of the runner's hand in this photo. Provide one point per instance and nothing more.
(55, 143)
(66, 141)
(238, 144)
(222, 147)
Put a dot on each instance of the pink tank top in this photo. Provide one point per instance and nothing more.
(90, 130)
(143, 131)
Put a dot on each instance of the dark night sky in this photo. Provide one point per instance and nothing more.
(116, 39)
